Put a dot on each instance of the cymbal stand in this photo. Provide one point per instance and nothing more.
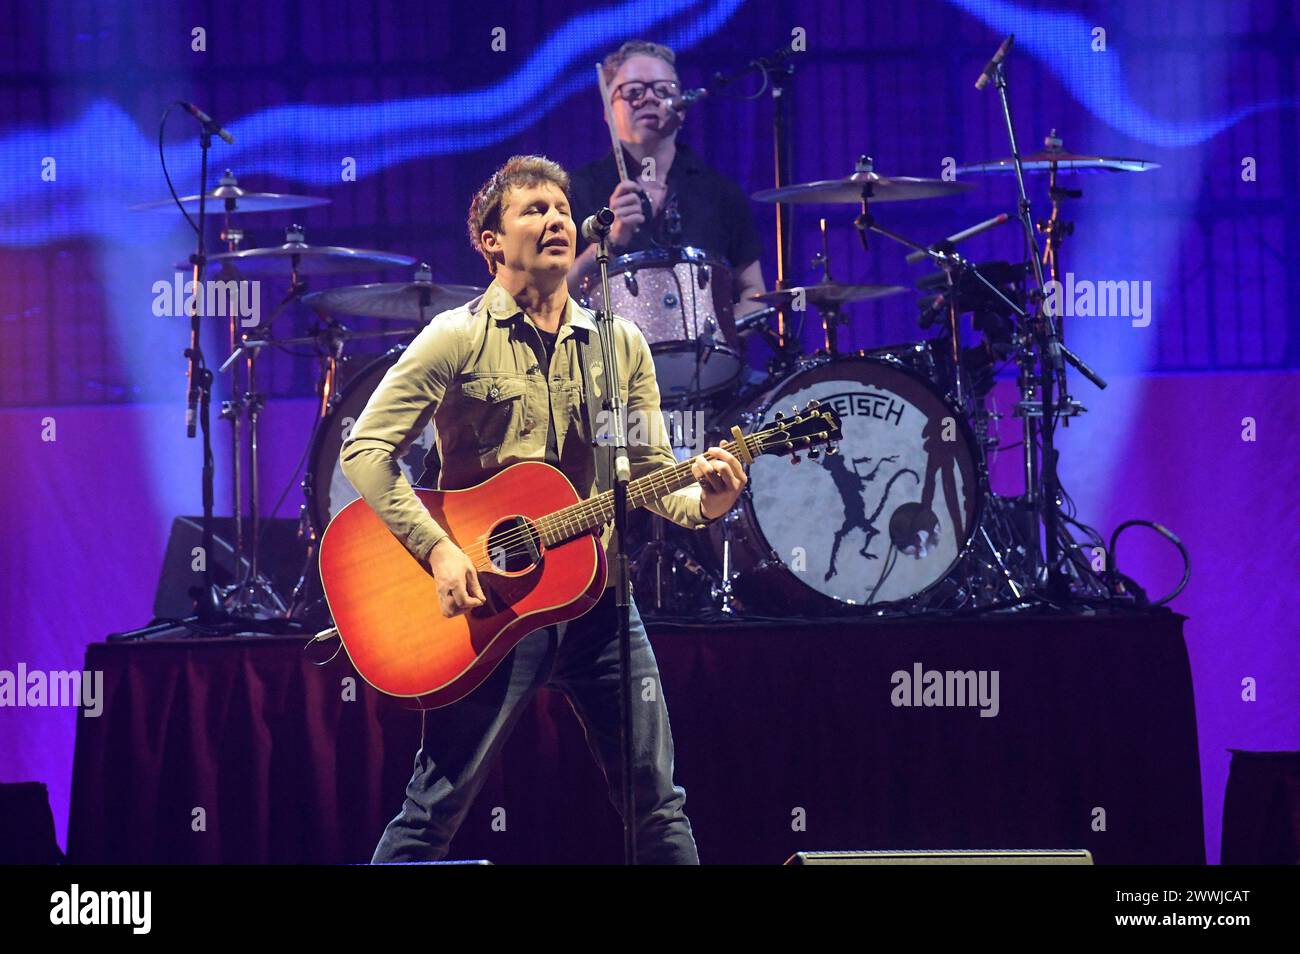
(232, 409)
(1052, 357)
(1055, 229)
(253, 590)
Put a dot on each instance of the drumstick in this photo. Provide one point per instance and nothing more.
(609, 121)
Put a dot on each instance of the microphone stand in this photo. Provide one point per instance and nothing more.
(1051, 351)
(208, 606)
(210, 615)
(620, 473)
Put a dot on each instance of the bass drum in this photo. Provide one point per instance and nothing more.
(883, 520)
(327, 489)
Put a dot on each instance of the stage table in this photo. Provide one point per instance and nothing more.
(246, 750)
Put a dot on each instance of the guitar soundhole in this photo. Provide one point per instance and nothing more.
(514, 546)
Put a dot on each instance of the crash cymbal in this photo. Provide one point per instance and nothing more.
(241, 201)
(1054, 156)
(305, 259)
(406, 301)
(828, 293)
(1064, 162)
(229, 197)
(849, 190)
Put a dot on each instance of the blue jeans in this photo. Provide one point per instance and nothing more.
(580, 659)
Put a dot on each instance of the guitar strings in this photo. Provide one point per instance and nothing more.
(576, 514)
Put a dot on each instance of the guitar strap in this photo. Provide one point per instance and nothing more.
(594, 392)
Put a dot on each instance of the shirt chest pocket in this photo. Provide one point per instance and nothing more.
(491, 406)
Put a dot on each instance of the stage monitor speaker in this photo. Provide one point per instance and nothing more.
(280, 560)
(27, 825)
(1008, 857)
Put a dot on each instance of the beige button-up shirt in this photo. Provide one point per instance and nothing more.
(476, 371)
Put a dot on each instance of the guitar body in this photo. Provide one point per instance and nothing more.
(385, 602)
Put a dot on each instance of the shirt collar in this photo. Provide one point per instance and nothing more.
(501, 306)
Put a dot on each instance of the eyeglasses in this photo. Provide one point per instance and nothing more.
(635, 92)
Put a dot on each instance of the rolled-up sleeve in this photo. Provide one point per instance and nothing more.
(651, 451)
(397, 412)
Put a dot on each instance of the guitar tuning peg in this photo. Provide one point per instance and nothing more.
(780, 416)
(814, 454)
(814, 405)
(832, 449)
(794, 458)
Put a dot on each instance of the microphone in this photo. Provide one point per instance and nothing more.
(595, 227)
(994, 63)
(207, 122)
(687, 99)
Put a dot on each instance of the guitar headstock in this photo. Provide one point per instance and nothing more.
(810, 429)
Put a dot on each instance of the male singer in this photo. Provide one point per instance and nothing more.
(500, 377)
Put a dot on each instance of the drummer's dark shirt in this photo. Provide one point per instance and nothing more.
(715, 214)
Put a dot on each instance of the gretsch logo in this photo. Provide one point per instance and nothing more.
(882, 407)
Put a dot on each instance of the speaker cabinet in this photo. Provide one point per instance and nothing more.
(1007, 857)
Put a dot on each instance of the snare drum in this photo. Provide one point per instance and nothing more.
(681, 300)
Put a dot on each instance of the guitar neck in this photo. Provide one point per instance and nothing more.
(599, 510)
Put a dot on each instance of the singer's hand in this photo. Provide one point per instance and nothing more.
(721, 478)
(625, 201)
(458, 586)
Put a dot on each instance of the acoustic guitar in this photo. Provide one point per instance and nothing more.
(535, 545)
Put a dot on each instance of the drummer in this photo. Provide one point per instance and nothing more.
(677, 200)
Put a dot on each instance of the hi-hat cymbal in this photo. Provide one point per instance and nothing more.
(1048, 159)
(409, 301)
(306, 260)
(828, 293)
(849, 190)
(235, 199)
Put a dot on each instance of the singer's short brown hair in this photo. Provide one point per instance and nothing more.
(614, 61)
(490, 201)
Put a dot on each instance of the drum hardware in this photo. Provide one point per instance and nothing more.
(1052, 355)
(244, 607)
(414, 301)
(235, 200)
(849, 190)
(301, 259)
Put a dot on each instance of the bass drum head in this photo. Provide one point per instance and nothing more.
(328, 489)
(888, 516)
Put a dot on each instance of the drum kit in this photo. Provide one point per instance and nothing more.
(901, 520)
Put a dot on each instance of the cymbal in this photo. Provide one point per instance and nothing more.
(408, 301)
(1064, 161)
(849, 190)
(241, 201)
(306, 259)
(829, 293)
